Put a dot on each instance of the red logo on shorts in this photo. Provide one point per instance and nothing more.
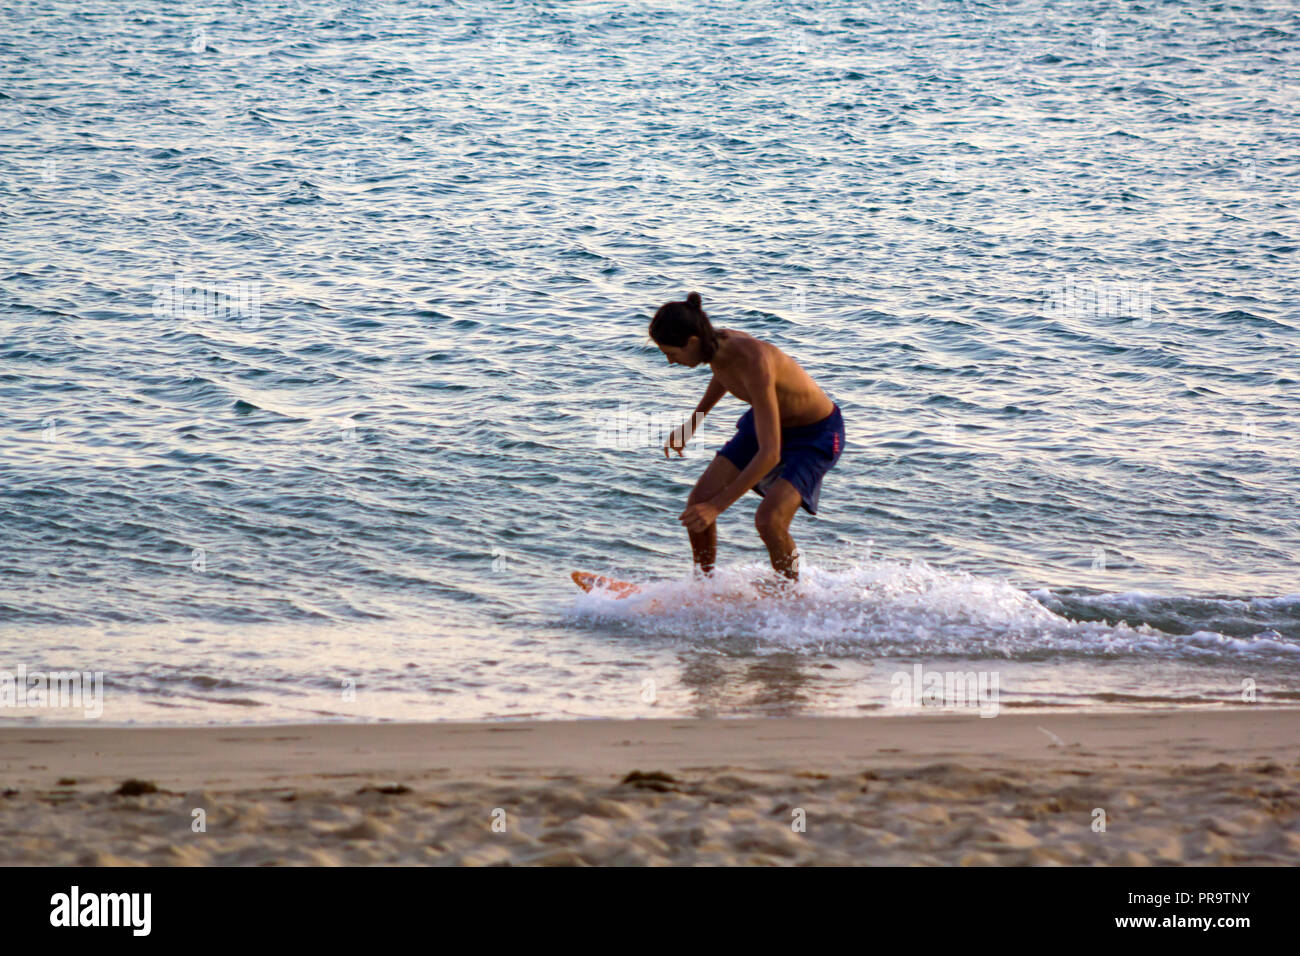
(835, 444)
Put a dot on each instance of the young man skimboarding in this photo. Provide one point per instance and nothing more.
(787, 441)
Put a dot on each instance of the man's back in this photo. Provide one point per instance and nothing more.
(800, 401)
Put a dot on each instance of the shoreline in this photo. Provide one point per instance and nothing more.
(1199, 786)
(882, 712)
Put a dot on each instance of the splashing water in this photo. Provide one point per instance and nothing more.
(877, 609)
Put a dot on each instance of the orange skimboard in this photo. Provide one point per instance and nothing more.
(619, 589)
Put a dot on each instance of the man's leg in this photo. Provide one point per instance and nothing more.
(773, 522)
(704, 544)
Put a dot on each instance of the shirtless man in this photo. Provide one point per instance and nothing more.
(790, 437)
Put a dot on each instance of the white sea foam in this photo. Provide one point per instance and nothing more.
(890, 608)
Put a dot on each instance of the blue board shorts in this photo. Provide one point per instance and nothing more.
(807, 453)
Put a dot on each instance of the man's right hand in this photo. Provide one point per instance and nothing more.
(676, 441)
(684, 433)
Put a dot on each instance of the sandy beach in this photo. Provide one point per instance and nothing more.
(1189, 787)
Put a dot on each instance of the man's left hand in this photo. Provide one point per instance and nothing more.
(698, 517)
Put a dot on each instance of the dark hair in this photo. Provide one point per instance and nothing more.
(676, 322)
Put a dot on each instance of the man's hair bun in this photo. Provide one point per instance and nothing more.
(675, 322)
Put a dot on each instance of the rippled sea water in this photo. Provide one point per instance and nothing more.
(324, 355)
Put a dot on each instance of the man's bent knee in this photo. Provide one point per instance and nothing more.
(769, 523)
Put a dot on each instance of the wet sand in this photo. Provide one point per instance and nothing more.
(1188, 787)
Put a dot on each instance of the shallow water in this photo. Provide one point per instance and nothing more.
(324, 353)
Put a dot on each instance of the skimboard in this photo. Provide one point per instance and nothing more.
(764, 587)
(619, 589)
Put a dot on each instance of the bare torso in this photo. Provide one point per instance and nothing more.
(800, 401)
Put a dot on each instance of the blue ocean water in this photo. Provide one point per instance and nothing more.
(324, 351)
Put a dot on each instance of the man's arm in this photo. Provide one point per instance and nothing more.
(767, 426)
(683, 433)
(712, 395)
(761, 387)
